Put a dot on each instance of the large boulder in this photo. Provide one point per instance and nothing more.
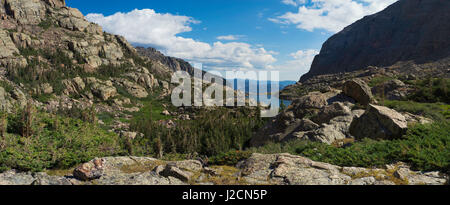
(309, 105)
(334, 129)
(331, 111)
(379, 123)
(359, 91)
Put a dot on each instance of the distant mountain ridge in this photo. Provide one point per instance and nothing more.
(408, 30)
(176, 64)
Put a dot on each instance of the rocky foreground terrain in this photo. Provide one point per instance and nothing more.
(259, 169)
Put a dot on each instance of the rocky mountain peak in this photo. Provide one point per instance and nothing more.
(408, 30)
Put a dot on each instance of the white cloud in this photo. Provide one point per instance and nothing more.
(162, 31)
(230, 37)
(299, 64)
(293, 2)
(331, 15)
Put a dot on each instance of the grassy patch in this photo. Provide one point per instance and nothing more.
(435, 111)
(141, 167)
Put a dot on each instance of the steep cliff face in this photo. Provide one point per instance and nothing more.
(409, 30)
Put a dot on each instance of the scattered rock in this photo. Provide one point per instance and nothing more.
(184, 117)
(89, 171)
(173, 171)
(166, 113)
(129, 135)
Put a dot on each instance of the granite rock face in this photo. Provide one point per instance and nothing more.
(409, 30)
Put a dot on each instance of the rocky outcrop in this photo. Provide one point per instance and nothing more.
(7, 45)
(408, 30)
(9, 54)
(25, 12)
(259, 169)
(132, 88)
(379, 123)
(11, 98)
(323, 117)
(102, 89)
(358, 90)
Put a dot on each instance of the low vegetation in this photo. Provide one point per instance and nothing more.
(211, 133)
(431, 90)
(33, 140)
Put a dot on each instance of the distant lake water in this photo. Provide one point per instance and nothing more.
(282, 85)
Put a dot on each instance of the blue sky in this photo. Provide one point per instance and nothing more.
(282, 35)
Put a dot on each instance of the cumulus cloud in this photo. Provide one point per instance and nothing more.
(331, 15)
(147, 27)
(299, 64)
